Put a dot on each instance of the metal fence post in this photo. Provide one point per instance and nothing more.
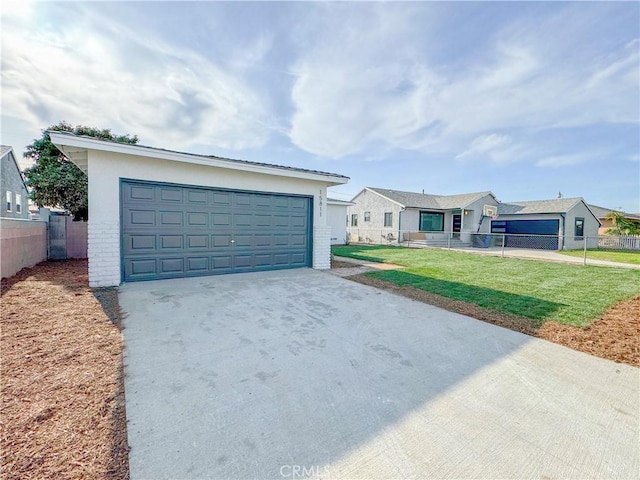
(584, 260)
(504, 240)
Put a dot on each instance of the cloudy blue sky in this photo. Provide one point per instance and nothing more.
(522, 98)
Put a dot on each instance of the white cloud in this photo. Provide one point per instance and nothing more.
(563, 160)
(354, 93)
(101, 73)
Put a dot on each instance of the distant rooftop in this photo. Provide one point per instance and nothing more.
(4, 149)
(433, 202)
(557, 205)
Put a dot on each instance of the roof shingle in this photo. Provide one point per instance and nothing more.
(428, 201)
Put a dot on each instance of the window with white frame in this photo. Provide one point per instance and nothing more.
(354, 219)
(9, 201)
(367, 216)
(18, 203)
(388, 219)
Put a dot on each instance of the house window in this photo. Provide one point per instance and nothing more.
(579, 228)
(431, 222)
(388, 219)
(354, 219)
(9, 200)
(367, 216)
(18, 203)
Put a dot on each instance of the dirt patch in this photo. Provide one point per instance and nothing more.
(615, 336)
(339, 264)
(62, 406)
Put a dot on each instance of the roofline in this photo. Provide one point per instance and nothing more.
(577, 200)
(80, 145)
(335, 201)
(15, 162)
(370, 189)
(489, 192)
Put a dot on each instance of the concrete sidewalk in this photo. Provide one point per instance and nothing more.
(298, 373)
(543, 255)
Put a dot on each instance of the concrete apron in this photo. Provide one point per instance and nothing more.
(297, 373)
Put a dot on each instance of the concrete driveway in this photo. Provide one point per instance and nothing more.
(297, 373)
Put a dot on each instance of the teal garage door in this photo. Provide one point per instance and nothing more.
(172, 231)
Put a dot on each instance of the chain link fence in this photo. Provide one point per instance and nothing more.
(503, 244)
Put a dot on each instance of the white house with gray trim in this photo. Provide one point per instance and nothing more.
(384, 214)
(156, 213)
(566, 221)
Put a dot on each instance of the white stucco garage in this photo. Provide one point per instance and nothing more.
(156, 213)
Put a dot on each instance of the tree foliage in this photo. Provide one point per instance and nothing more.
(622, 225)
(54, 180)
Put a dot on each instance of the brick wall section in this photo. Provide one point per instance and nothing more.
(23, 243)
(322, 247)
(104, 254)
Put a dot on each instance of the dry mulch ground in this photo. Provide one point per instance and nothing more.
(615, 336)
(62, 407)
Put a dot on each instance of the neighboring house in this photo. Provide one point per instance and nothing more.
(14, 192)
(605, 223)
(557, 224)
(156, 213)
(380, 213)
(337, 219)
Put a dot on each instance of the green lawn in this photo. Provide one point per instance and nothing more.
(622, 256)
(540, 291)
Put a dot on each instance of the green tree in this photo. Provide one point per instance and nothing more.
(54, 180)
(622, 225)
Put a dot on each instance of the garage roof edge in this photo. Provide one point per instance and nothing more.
(75, 147)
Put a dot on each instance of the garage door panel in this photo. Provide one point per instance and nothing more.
(221, 198)
(172, 231)
(168, 242)
(197, 197)
(298, 221)
(263, 202)
(221, 262)
(221, 241)
(221, 219)
(197, 241)
(242, 241)
(197, 264)
(171, 265)
(140, 193)
(171, 195)
(171, 219)
(146, 218)
(142, 266)
(242, 199)
(298, 240)
(298, 258)
(139, 243)
(197, 219)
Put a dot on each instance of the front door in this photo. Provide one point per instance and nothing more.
(457, 223)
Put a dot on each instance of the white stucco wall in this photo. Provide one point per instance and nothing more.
(105, 169)
(336, 219)
(374, 229)
(590, 227)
